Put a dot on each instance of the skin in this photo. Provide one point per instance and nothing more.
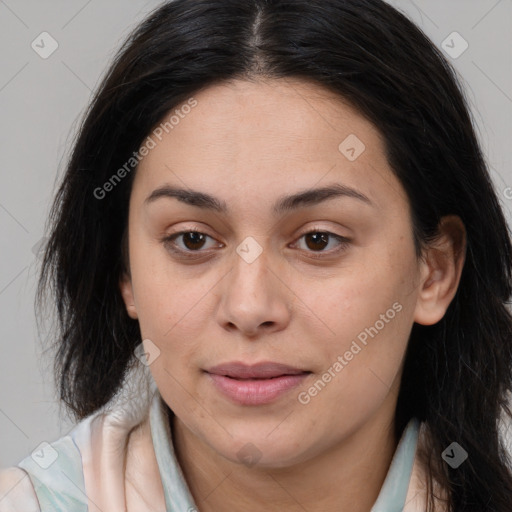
(248, 144)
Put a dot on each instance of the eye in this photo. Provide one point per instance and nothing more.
(317, 240)
(192, 241)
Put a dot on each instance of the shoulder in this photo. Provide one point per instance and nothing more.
(56, 475)
(17, 492)
(50, 478)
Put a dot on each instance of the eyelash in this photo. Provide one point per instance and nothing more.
(169, 243)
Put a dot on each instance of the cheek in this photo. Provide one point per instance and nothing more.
(355, 301)
(369, 313)
(167, 300)
(361, 369)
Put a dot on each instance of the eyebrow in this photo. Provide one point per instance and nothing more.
(302, 199)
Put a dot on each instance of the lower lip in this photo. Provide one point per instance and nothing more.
(256, 392)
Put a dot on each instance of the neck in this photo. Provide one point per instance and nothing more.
(355, 469)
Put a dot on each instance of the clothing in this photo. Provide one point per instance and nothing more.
(121, 458)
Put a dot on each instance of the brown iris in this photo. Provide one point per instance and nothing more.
(319, 240)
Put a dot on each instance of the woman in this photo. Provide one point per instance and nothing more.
(281, 274)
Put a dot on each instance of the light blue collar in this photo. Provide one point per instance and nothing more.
(176, 491)
(394, 489)
(179, 499)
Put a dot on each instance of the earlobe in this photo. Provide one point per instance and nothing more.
(126, 288)
(441, 269)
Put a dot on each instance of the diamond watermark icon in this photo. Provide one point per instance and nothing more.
(44, 455)
(352, 147)
(454, 455)
(147, 352)
(249, 455)
(249, 249)
(44, 45)
(454, 45)
(38, 248)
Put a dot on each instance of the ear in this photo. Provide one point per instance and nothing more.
(125, 285)
(441, 268)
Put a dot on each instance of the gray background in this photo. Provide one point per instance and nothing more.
(40, 101)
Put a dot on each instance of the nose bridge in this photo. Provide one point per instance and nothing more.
(253, 295)
(251, 264)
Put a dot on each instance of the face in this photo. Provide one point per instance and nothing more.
(324, 283)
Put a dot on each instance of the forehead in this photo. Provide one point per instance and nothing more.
(260, 138)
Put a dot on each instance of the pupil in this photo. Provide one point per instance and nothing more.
(318, 238)
(196, 238)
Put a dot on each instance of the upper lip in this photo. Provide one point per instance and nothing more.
(238, 370)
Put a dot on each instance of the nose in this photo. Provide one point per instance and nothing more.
(254, 298)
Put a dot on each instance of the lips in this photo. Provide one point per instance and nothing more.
(258, 384)
(265, 370)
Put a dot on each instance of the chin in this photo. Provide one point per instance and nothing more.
(260, 452)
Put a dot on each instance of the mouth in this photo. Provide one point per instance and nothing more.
(259, 371)
(257, 384)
